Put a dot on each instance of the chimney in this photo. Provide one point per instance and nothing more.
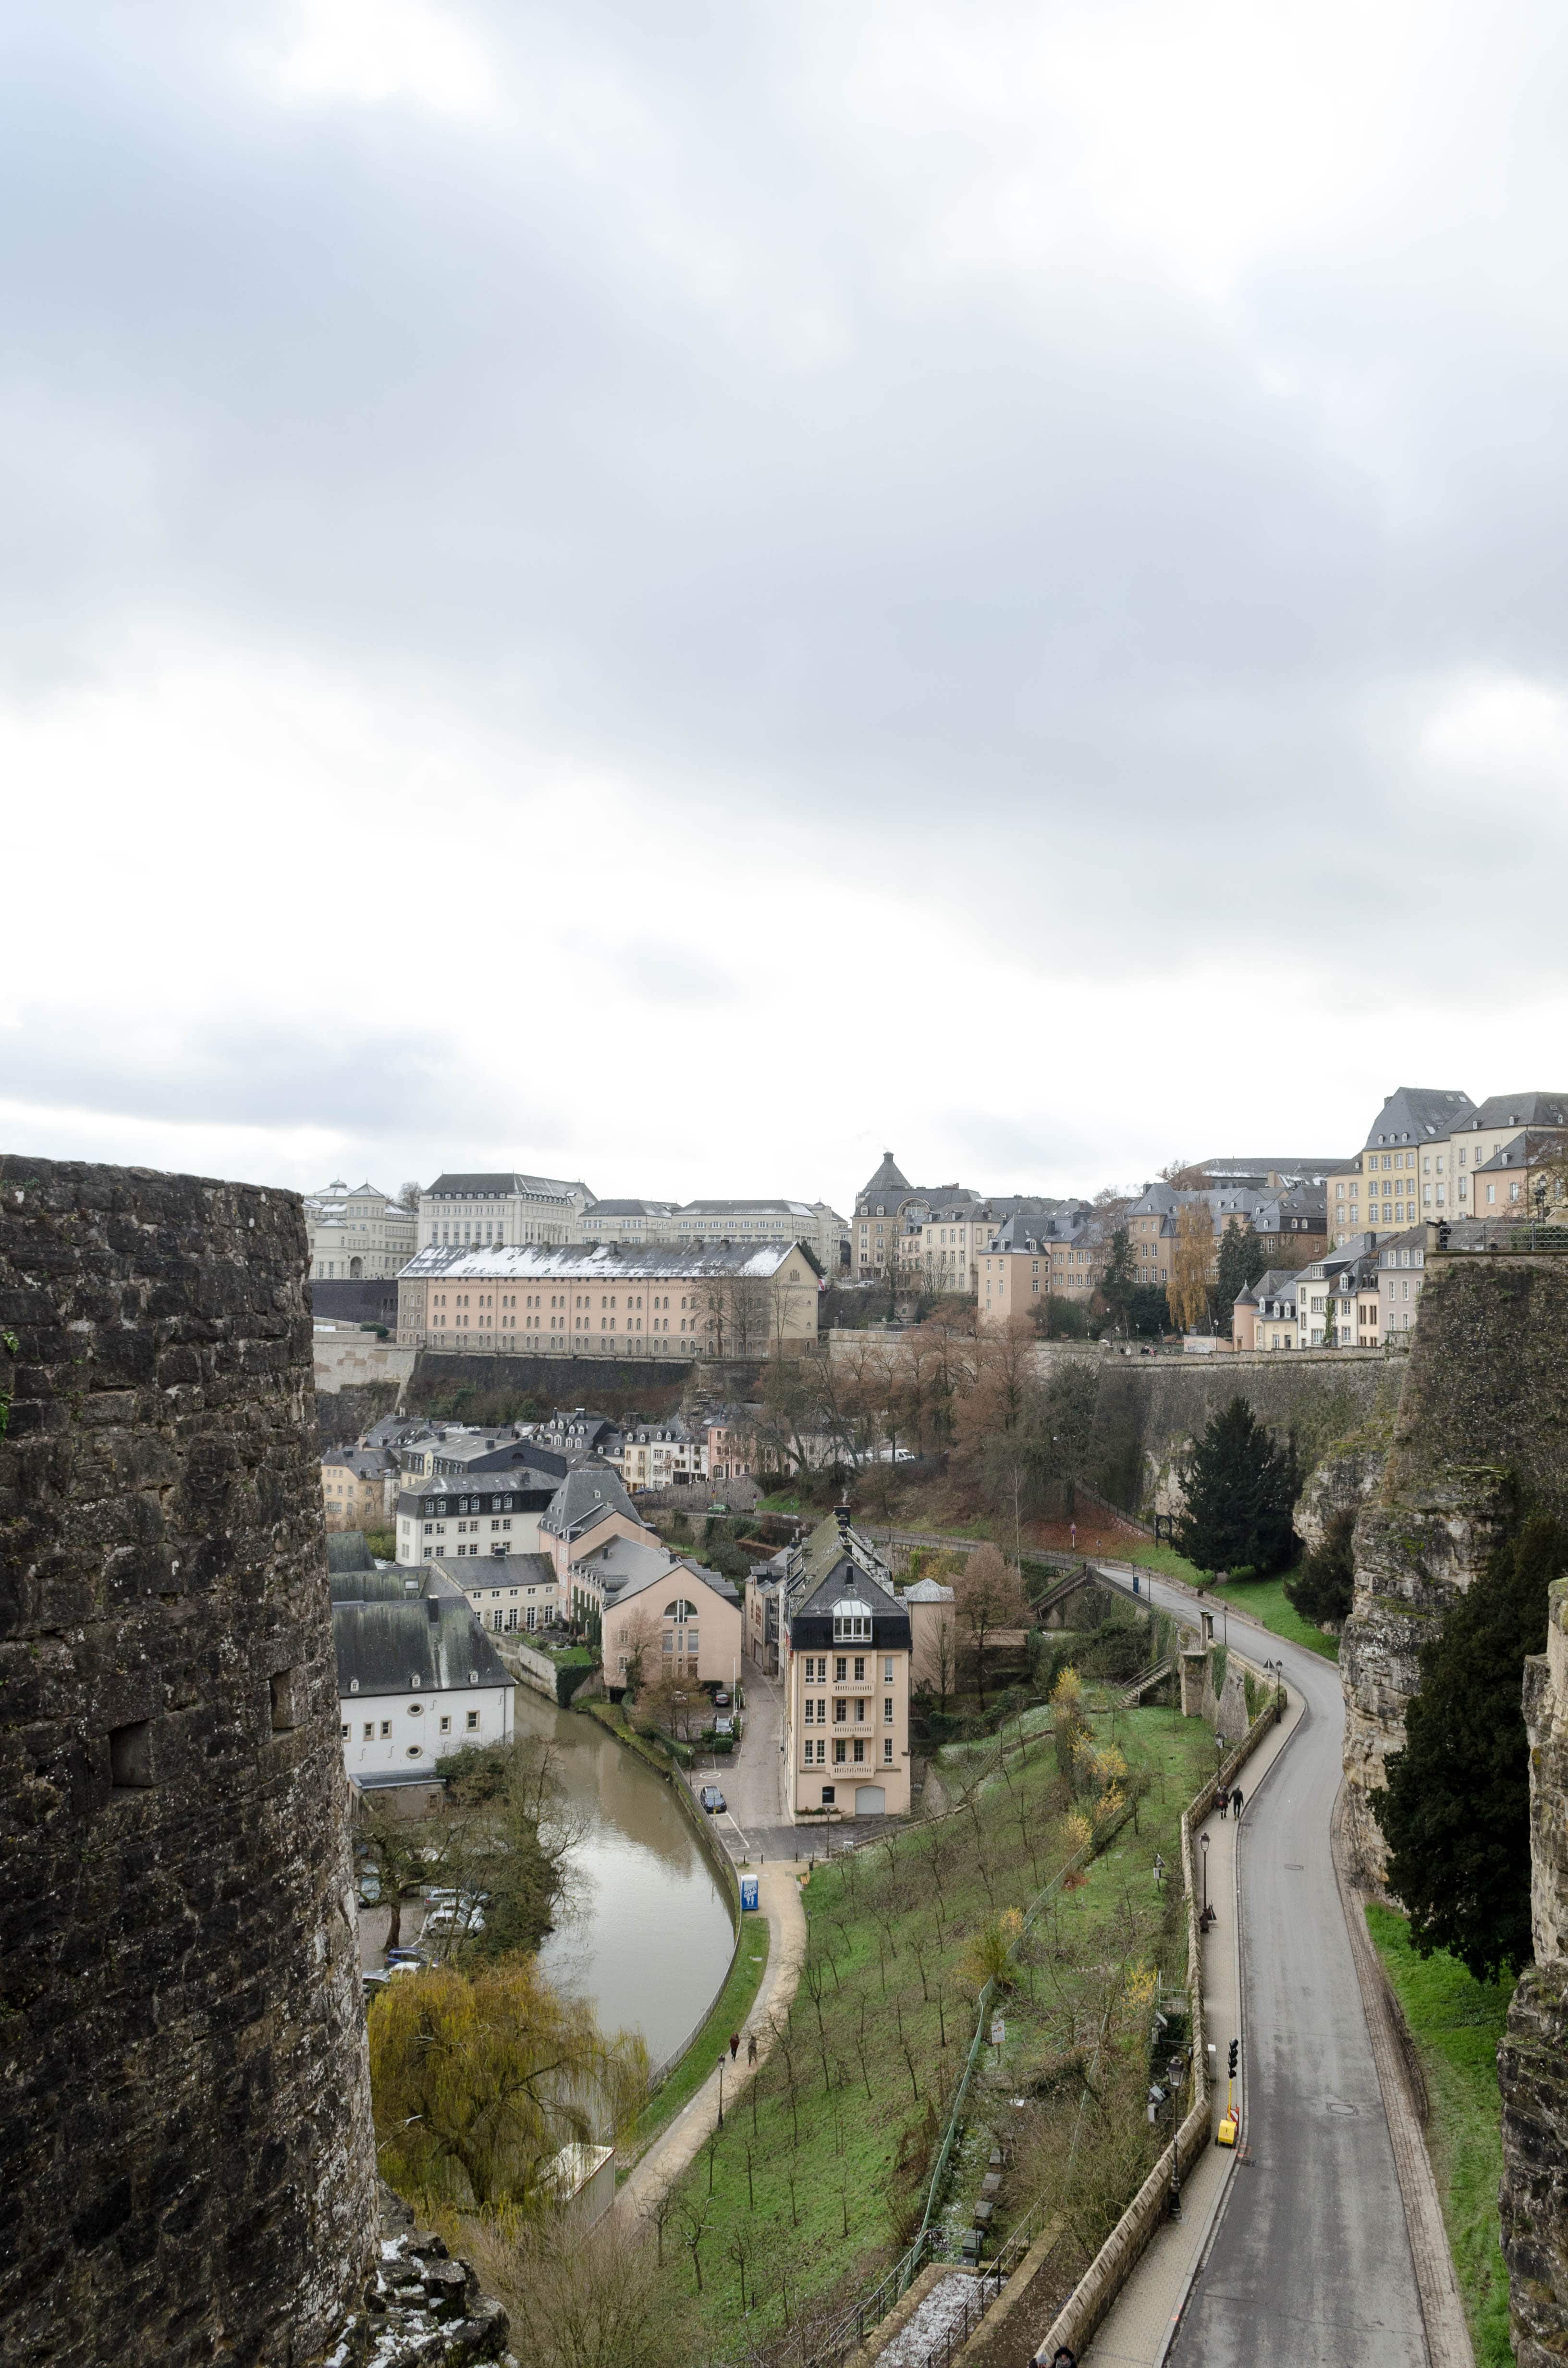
(841, 1515)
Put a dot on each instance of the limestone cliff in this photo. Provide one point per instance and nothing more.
(1348, 1477)
(1484, 1407)
(1532, 2062)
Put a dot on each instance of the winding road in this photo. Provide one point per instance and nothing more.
(1310, 2259)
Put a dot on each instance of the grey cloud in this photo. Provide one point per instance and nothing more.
(1038, 593)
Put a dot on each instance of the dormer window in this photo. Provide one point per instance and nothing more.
(851, 1621)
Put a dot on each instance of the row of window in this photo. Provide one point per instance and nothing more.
(814, 1754)
(816, 1667)
(816, 1710)
(369, 1731)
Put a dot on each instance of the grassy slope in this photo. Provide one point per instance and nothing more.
(1457, 2023)
(827, 2199)
(1263, 1598)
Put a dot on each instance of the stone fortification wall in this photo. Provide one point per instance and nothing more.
(1486, 1404)
(189, 2166)
(1532, 2062)
(1148, 1410)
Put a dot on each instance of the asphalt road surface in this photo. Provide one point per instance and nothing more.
(1310, 2263)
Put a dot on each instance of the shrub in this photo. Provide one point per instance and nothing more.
(1324, 1588)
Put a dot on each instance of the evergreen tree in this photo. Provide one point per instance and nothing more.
(1324, 1586)
(1240, 1485)
(1241, 1260)
(1456, 1811)
(1120, 1280)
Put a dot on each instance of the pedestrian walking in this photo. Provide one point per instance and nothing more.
(735, 2044)
(1072, 1531)
(751, 2049)
(1159, 1870)
(1237, 1800)
(1062, 2357)
(1222, 1801)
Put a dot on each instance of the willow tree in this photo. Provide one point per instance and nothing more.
(477, 2083)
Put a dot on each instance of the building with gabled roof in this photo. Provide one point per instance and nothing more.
(417, 1678)
(718, 1300)
(464, 1210)
(846, 1643)
(363, 1235)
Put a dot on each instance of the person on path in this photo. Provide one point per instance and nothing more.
(1237, 1800)
(751, 2049)
(1222, 1801)
(735, 2044)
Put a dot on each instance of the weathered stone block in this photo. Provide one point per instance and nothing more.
(186, 2150)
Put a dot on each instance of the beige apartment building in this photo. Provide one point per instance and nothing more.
(674, 1299)
(359, 1488)
(359, 1236)
(466, 1212)
(662, 1617)
(1381, 1191)
(1264, 1315)
(1477, 1141)
(846, 1643)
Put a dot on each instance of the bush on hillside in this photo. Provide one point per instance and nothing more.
(1456, 1811)
(1324, 1586)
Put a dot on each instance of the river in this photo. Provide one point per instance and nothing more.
(649, 1943)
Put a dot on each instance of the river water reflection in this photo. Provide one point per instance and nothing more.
(651, 1939)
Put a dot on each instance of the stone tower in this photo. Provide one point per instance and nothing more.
(187, 2162)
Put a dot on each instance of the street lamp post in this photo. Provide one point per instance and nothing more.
(1203, 1846)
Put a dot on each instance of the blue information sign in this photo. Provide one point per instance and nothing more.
(749, 1891)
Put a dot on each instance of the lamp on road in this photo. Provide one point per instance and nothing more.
(1203, 1846)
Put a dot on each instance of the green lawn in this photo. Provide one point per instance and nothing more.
(819, 2177)
(1457, 2023)
(730, 2009)
(1263, 1598)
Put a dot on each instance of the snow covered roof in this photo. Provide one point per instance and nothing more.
(603, 1262)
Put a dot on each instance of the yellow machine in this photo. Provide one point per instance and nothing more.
(1230, 2127)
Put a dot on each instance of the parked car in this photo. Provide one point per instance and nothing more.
(712, 1800)
(722, 1698)
(455, 1919)
(414, 1957)
(722, 1725)
(369, 1886)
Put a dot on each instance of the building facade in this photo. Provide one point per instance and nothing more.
(1400, 1272)
(358, 1486)
(822, 1230)
(440, 1518)
(1408, 1138)
(676, 1300)
(466, 1212)
(845, 1639)
(359, 1236)
(417, 1678)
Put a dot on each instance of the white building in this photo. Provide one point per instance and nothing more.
(471, 1212)
(417, 1678)
(359, 1236)
(443, 1519)
(824, 1231)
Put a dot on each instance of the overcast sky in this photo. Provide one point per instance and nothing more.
(678, 594)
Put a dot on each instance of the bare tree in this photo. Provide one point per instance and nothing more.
(1192, 1260)
(989, 1595)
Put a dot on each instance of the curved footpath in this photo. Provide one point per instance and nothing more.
(1310, 2263)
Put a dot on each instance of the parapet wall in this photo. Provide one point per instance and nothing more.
(1486, 1407)
(190, 2165)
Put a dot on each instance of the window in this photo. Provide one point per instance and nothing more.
(472, 1722)
(840, 1711)
(415, 1751)
(369, 1731)
(887, 1710)
(386, 1726)
(346, 1730)
(860, 1750)
(886, 1747)
(445, 1726)
(415, 1710)
(838, 1753)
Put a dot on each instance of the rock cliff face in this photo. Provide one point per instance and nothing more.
(1485, 1403)
(1532, 2063)
(1348, 1477)
(190, 2165)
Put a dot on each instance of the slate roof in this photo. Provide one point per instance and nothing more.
(826, 1567)
(745, 1209)
(532, 1188)
(604, 1263)
(888, 1178)
(623, 1567)
(588, 1495)
(364, 1463)
(634, 1208)
(347, 1550)
(1420, 1114)
(927, 1590)
(1520, 1110)
(530, 1491)
(1532, 1144)
(399, 1625)
(499, 1570)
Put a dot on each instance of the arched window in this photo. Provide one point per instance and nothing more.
(680, 1610)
